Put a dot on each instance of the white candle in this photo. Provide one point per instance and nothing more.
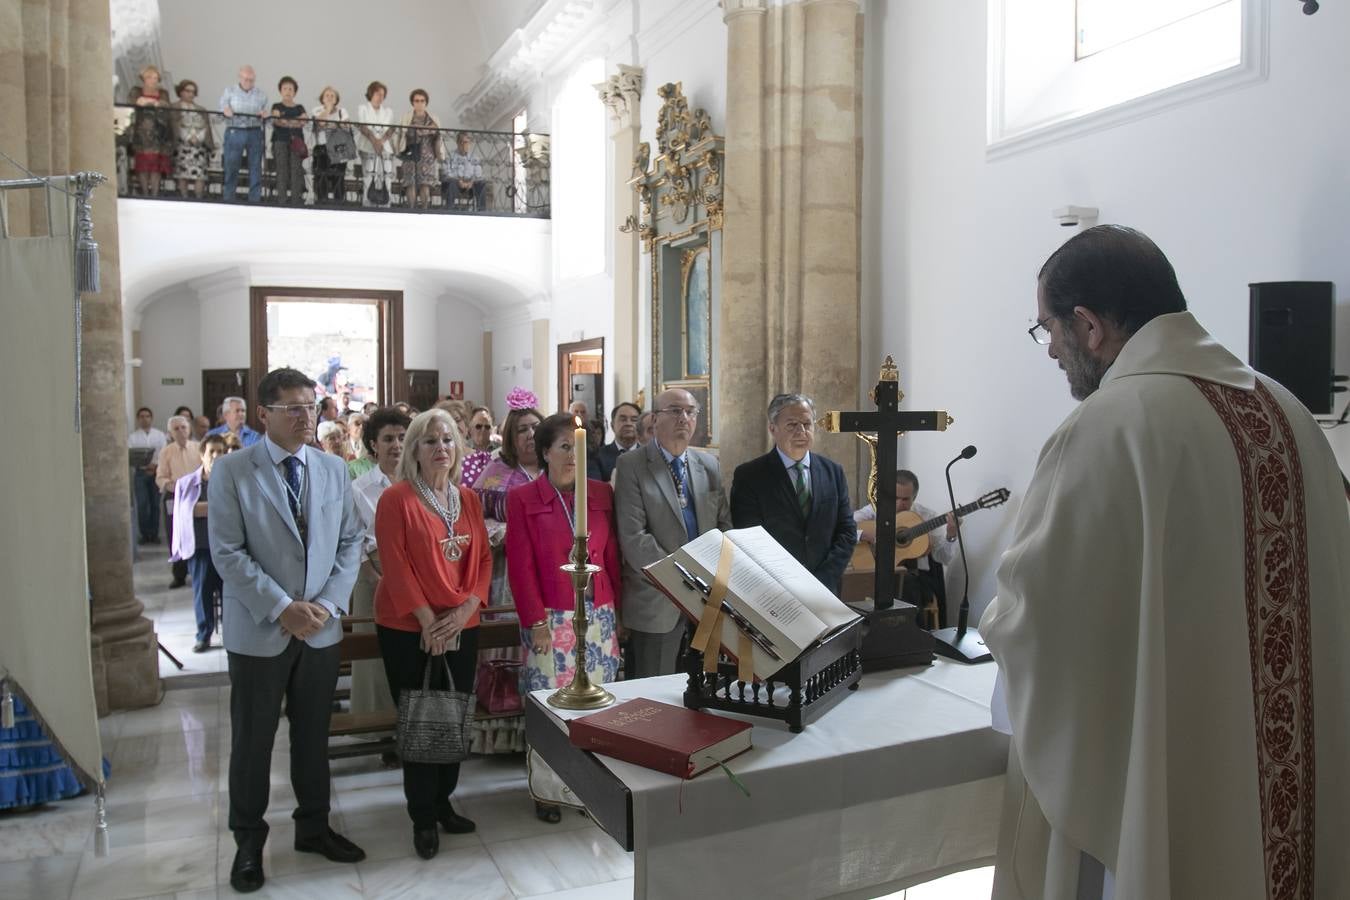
(579, 442)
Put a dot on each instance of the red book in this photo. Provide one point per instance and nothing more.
(671, 739)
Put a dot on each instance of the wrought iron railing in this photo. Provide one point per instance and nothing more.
(508, 174)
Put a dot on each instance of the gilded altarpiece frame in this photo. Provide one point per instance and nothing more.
(681, 230)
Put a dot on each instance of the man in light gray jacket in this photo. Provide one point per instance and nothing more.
(287, 543)
(665, 495)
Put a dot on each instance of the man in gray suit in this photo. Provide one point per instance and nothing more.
(287, 543)
(665, 495)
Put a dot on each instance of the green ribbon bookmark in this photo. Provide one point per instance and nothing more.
(734, 780)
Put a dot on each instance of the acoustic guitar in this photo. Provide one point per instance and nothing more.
(911, 531)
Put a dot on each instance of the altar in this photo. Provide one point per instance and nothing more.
(899, 784)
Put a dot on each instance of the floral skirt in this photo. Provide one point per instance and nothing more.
(189, 161)
(556, 668)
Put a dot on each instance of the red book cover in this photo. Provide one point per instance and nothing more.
(671, 739)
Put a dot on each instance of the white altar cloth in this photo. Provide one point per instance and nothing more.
(897, 785)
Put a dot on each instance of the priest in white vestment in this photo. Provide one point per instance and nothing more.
(1173, 616)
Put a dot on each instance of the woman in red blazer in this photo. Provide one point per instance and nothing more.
(538, 542)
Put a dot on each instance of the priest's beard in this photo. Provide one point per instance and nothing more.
(1083, 370)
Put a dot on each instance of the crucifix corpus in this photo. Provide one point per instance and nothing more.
(893, 633)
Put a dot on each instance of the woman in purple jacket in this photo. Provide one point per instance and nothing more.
(189, 541)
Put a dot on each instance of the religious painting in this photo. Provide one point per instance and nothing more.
(696, 272)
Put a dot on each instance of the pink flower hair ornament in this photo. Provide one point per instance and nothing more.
(519, 398)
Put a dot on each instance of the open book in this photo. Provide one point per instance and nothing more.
(770, 595)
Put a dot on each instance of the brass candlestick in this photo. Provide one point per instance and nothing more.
(580, 694)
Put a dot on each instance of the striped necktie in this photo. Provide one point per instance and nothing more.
(803, 490)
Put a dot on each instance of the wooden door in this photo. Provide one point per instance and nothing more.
(423, 387)
(217, 384)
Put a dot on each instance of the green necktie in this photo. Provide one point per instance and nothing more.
(803, 491)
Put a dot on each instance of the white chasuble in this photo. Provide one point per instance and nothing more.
(1173, 625)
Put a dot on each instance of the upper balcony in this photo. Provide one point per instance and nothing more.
(175, 152)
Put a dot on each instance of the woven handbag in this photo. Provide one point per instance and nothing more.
(435, 726)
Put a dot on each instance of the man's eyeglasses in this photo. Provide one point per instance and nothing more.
(680, 412)
(1040, 332)
(295, 410)
(798, 427)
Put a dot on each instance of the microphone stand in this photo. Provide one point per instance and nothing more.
(961, 643)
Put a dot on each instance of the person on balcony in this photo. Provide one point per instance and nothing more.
(245, 109)
(375, 143)
(192, 140)
(421, 147)
(151, 139)
(329, 175)
(288, 123)
(463, 175)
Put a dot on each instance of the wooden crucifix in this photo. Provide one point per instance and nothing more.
(887, 424)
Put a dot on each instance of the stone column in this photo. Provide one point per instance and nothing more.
(790, 261)
(622, 94)
(56, 105)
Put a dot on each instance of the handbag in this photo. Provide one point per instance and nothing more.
(498, 685)
(435, 726)
(341, 146)
(298, 148)
(409, 151)
(378, 193)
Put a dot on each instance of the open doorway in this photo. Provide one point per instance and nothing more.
(349, 342)
(581, 376)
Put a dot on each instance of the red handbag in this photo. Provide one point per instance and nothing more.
(498, 685)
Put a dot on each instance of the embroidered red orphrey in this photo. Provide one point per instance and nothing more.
(1278, 631)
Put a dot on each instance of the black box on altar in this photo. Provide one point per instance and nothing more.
(892, 638)
(798, 694)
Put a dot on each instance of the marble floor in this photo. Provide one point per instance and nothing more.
(168, 803)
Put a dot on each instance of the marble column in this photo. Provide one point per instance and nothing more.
(791, 236)
(56, 105)
(622, 94)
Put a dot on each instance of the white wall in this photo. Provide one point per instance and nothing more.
(459, 346)
(404, 43)
(512, 362)
(1246, 186)
(171, 348)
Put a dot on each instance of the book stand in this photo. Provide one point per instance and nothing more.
(798, 694)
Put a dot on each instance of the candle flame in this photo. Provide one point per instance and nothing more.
(577, 419)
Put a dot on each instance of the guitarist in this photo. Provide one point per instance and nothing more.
(923, 582)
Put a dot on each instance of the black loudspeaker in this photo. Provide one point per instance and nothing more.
(1291, 338)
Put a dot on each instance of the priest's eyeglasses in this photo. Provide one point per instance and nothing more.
(1040, 332)
(295, 410)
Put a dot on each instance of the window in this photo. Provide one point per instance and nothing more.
(1103, 24)
(1063, 67)
(519, 123)
(579, 186)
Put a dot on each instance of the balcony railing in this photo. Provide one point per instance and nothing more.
(185, 147)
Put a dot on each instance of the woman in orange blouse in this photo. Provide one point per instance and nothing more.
(437, 570)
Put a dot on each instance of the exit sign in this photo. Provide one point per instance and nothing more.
(171, 381)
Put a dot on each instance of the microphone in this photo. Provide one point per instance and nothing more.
(961, 643)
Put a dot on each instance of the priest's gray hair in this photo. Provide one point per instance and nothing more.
(782, 401)
(225, 404)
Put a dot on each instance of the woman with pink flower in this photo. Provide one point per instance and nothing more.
(538, 543)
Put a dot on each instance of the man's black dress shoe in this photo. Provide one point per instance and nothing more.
(426, 841)
(246, 875)
(332, 846)
(453, 823)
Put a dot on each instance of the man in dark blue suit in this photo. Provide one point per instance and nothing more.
(800, 497)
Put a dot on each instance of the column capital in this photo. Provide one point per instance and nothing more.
(622, 93)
